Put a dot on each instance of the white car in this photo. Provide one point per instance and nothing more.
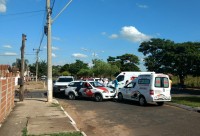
(61, 83)
(90, 89)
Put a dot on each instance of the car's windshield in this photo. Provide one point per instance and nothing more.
(96, 84)
(74, 84)
(64, 80)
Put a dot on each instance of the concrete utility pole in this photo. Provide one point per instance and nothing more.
(49, 53)
(36, 71)
(49, 48)
(21, 92)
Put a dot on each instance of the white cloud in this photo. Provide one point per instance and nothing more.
(113, 36)
(55, 48)
(79, 55)
(142, 6)
(2, 6)
(84, 49)
(53, 55)
(94, 54)
(103, 33)
(132, 34)
(7, 46)
(56, 38)
(10, 54)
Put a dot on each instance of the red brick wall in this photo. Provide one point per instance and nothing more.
(7, 94)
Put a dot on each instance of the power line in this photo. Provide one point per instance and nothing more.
(62, 10)
(21, 13)
(42, 36)
(52, 5)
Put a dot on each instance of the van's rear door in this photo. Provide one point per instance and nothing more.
(161, 88)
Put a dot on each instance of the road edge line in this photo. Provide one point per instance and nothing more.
(72, 121)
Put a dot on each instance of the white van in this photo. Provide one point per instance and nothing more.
(125, 76)
(147, 88)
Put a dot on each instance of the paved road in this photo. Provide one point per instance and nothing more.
(128, 119)
(111, 118)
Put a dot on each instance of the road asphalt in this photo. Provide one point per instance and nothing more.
(40, 117)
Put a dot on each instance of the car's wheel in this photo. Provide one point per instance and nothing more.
(98, 97)
(160, 103)
(71, 96)
(142, 101)
(120, 97)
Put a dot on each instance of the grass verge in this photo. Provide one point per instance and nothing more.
(24, 132)
(188, 101)
(55, 105)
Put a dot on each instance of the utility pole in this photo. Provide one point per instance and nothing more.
(21, 92)
(49, 53)
(36, 64)
(49, 48)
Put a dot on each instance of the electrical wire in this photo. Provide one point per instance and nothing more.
(21, 13)
(62, 10)
(42, 36)
(52, 5)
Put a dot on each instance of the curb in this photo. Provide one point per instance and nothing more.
(184, 107)
(72, 121)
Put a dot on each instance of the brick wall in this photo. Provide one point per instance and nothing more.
(7, 94)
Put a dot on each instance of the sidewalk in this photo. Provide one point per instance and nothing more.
(39, 117)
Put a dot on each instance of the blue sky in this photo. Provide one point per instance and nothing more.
(90, 29)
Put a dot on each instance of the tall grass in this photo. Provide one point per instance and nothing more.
(190, 81)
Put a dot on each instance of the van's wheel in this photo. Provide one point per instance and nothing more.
(71, 96)
(160, 103)
(120, 97)
(142, 101)
(98, 97)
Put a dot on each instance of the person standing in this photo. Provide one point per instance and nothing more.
(116, 87)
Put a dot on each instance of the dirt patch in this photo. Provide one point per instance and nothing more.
(34, 86)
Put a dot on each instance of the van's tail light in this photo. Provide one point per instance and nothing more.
(151, 92)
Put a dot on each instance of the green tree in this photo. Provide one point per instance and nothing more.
(100, 68)
(65, 73)
(165, 56)
(74, 68)
(65, 68)
(85, 73)
(42, 68)
(103, 69)
(56, 71)
(126, 62)
(186, 60)
(18, 64)
(113, 70)
(155, 52)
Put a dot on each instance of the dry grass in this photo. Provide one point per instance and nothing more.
(33, 85)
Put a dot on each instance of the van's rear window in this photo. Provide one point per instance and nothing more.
(143, 81)
(161, 82)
